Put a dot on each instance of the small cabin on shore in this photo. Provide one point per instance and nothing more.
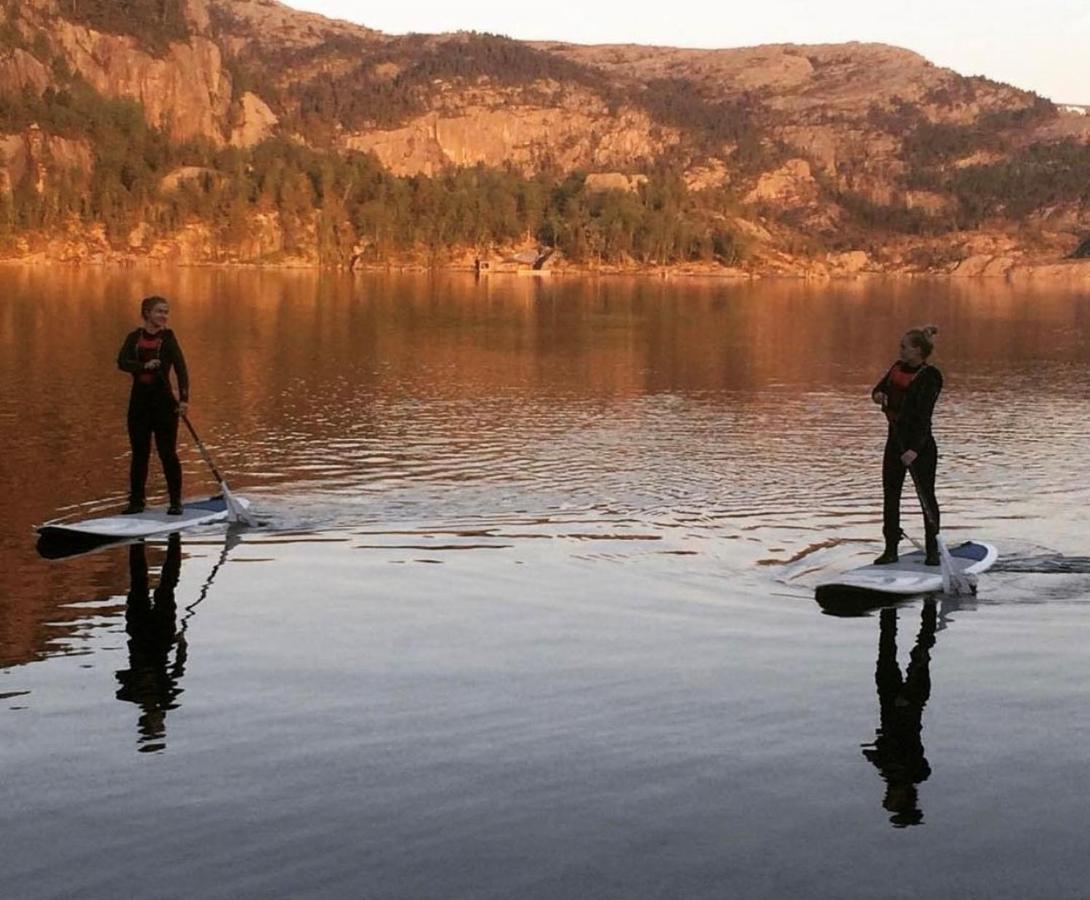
(538, 260)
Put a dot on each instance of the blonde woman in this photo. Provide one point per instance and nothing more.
(907, 394)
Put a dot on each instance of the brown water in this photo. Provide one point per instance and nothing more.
(531, 611)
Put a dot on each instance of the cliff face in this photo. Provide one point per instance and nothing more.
(798, 142)
(32, 157)
(20, 70)
(187, 92)
(184, 89)
(500, 127)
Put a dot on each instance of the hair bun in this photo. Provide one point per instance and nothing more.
(930, 330)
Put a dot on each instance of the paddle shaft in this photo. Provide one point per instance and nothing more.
(205, 455)
(236, 511)
(201, 448)
(928, 512)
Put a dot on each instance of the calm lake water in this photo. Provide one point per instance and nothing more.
(531, 613)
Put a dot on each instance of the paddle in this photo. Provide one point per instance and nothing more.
(236, 508)
(953, 582)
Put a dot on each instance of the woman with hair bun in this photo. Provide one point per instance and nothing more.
(149, 354)
(907, 395)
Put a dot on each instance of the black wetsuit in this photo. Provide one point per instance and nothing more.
(153, 409)
(911, 394)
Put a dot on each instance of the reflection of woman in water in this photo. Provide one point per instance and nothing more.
(897, 750)
(151, 681)
(907, 395)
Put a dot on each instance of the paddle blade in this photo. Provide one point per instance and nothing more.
(953, 581)
(237, 507)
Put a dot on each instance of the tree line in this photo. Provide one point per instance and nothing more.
(344, 205)
(349, 205)
(154, 23)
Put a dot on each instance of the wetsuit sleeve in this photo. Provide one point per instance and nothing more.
(127, 360)
(914, 423)
(180, 370)
(883, 384)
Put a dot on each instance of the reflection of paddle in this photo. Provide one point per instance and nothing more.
(230, 541)
(953, 582)
(236, 508)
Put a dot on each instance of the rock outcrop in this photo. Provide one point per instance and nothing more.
(596, 182)
(499, 130)
(20, 70)
(255, 121)
(34, 157)
(790, 185)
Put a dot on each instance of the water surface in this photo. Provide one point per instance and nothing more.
(531, 613)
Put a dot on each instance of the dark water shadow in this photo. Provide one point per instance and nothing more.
(897, 751)
(56, 544)
(158, 645)
(157, 650)
(848, 602)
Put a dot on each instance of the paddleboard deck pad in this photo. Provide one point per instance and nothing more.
(152, 521)
(910, 576)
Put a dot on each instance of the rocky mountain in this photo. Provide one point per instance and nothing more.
(246, 131)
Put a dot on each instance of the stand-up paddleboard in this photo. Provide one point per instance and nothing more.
(150, 522)
(905, 578)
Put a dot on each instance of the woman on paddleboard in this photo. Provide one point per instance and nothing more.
(149, 354)
(907, 395)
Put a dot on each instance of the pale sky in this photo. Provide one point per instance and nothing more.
(1038, 45)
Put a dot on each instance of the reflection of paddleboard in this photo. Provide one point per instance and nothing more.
(151, 522)
(72, 545)
(910, 576)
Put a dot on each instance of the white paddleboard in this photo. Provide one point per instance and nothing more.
(150, 522)
(910, 576)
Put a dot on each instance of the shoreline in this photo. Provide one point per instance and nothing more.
(996, 269)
